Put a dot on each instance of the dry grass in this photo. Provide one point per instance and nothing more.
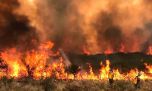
(69, 85)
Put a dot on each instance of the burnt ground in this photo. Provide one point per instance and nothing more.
(122, 61)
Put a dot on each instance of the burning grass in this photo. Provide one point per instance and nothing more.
(36, 70)
(38, 64)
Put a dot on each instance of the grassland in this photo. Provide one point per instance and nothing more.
(69, 85)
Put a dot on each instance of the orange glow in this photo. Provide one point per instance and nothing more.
(85, 51)
(108, 51)
(149, 50)
(122, 49)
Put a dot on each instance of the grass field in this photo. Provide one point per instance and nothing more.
(69, 85)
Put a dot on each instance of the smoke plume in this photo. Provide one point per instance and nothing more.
(78, 25)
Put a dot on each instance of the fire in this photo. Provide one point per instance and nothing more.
(85, 51)
(108, 51)
(149, 50)
(15, 70)
(35, 64)
(104, 71)
(149, 68)
(12, 59)
(37, 60)
(122, 49)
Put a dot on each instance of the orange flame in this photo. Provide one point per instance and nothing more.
(149, 50)
(108, 51)
(35, 64)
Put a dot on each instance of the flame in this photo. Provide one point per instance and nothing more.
(150, 50)
(108, 51)
(122, 49)
(85, 51)
(35, 64)
(149, 67)
(12, 59)
(104, 71)
(15, 70)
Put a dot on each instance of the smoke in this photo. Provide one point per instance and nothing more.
(112, 23)
(75, 25)
(15, 30)
(55, 20)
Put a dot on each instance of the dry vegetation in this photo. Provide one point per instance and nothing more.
(69, 85)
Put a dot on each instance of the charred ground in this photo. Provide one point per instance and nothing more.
(122, 61)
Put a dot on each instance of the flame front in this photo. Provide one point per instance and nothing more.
(36, 64)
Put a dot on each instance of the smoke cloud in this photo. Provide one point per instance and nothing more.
(77, 25)
(15, 29)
